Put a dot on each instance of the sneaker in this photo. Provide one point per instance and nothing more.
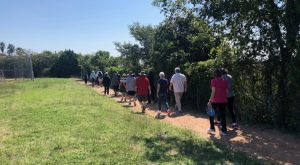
(223, 133)
(211, 130)
(217, 123)
(234, 126)
(157, 116)
(169, 112)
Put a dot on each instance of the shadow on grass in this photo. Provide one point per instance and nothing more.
(164, 148)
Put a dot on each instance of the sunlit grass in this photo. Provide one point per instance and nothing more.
(59, 121)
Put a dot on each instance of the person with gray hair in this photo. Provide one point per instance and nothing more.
(230, 97)
(179, 84)
(162, 94)
(93, 78)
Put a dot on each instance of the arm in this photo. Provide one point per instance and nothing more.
(158, 88)
(212, 95)
(149, 89)
(170, 87)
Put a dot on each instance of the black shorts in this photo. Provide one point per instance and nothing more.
(116, 88)
(142, 98)
(131, 93)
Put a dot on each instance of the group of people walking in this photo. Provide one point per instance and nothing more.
(138, 87)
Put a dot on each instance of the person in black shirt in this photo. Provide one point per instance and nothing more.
(162, 93)
(106, 83)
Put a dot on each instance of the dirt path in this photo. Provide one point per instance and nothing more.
(266, 144)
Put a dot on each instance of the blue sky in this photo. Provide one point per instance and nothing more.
(84, 26)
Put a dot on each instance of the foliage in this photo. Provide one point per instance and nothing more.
(66, 65)
(2, 47)
(265, 35)
(10, 49)
(42, 63)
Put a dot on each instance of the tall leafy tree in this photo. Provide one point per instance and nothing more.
(20, 51)
(66, 65)
(145, 37)
(10, 49)
(2, 47)
(261, 30)
(131, 55)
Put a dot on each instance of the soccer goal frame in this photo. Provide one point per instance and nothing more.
(16, 67)
(2, 77)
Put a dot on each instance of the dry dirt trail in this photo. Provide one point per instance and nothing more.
(265, 144)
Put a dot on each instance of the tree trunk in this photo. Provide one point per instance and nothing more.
(283, 101)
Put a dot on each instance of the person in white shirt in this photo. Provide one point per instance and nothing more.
(179, 84)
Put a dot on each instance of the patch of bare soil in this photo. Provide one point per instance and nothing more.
(264, 144)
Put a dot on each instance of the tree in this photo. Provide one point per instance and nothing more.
(265, 31)
(145, 36)
(131, 55)
(42, 63)
(10, 49)
(2, 47)
(66, 65)
(20, 51)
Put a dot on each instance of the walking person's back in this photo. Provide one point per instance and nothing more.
(115, 83)
(218, 101)
(143, 90)
(106, 83)
(130, 87)
(179, 83)
(230, 96)
(93, 78)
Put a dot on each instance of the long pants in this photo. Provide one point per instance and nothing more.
(178, 96)
(106, 89)
(220, 108)
(162, 99)
(230, 106)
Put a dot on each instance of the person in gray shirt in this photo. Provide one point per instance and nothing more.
(115, 83)
(130, 87)
(230, 96)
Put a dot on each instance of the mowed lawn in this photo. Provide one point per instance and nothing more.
(59, 121)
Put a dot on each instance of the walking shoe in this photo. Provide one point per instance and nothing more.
(211, 130)
(217, 123)
(169, 112)
(234, 126)
(157, 116)
(223, 133)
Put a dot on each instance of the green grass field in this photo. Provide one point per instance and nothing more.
(59, 121)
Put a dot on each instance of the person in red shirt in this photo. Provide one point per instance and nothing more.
(218, 100)
(143, 89)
